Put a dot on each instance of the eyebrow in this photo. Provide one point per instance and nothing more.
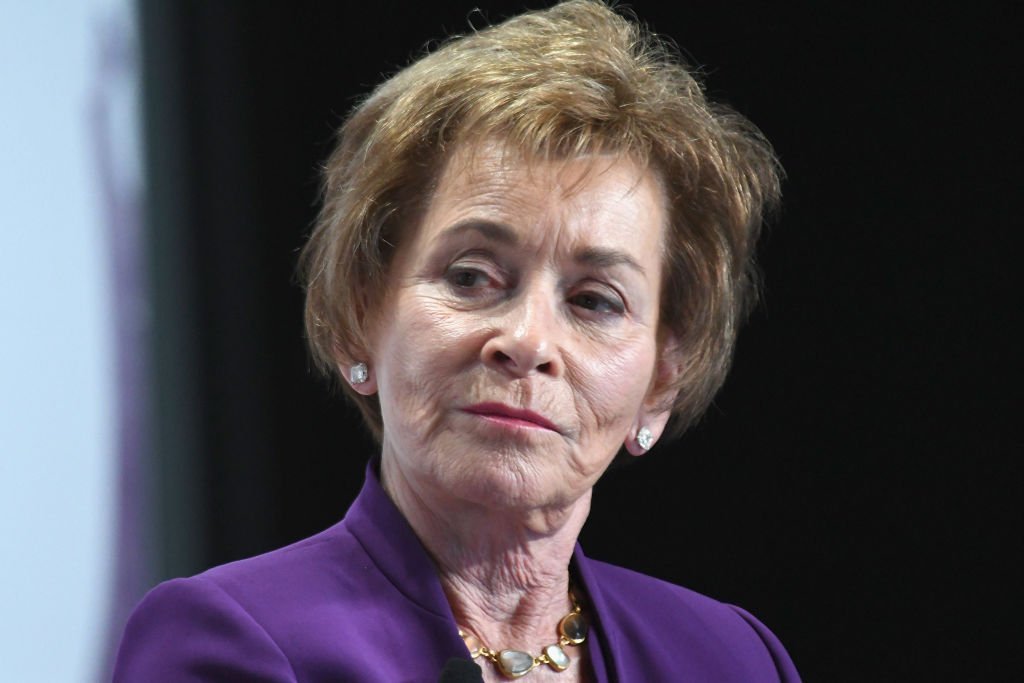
(497, 232)
(597, 257)
(608, 258)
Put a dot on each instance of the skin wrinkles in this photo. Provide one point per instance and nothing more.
(538, 287)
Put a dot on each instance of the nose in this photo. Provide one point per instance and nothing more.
(526, 339)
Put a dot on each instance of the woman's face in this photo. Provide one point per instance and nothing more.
(517, 346)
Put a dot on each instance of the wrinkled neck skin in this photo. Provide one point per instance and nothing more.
(505, 573)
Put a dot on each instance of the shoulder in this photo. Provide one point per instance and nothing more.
(331, 561)
(241, 620)
(652, 620)
(190, 629)
(628, 591)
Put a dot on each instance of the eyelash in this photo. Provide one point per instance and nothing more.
(612, 306)
(454, 276)
(595, 303)
(455, 272)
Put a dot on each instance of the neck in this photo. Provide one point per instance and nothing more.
(505, 572)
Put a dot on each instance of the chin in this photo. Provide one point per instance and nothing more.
(506, 480)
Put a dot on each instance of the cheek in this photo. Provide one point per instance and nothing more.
(423, 350)
(614, 385)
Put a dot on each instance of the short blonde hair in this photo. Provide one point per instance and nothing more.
(573, 80)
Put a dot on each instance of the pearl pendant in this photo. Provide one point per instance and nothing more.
(557, 658)
(515, 663)
(573, 628)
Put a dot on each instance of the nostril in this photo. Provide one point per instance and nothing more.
(519, 360)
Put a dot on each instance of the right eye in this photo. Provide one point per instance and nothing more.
(467, 278)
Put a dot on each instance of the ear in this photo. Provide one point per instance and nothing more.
(656, 410)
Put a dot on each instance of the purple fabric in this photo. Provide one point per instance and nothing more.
(361, 601)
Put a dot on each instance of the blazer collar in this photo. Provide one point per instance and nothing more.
(390, 542)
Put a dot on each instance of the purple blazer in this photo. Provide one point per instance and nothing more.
(362, 601)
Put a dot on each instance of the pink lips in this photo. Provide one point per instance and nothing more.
(513, 417)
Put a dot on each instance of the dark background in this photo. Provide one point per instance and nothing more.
(855, 483)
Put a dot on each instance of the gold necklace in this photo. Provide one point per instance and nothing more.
(572, 630)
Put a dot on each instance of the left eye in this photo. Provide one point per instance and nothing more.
(598, 303)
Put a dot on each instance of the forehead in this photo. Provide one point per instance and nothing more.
(584, 199)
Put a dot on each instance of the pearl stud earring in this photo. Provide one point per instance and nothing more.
(358, 373)
(644, 438)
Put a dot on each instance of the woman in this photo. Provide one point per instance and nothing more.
(535, 248)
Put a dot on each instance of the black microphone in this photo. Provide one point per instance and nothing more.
(461, 670)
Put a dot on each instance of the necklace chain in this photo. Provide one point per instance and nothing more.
(572, 630)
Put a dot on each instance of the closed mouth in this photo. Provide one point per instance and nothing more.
(512, 416)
